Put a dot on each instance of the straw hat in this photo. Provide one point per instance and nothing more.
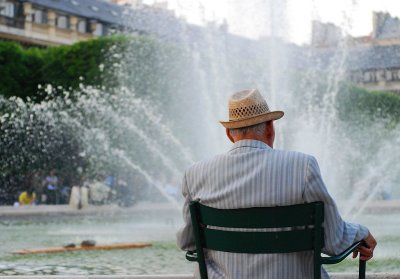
(248, 108)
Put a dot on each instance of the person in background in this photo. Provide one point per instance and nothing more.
(51, 188)
(37, 186)
(27, 197)
(110, 181)
(65, 189)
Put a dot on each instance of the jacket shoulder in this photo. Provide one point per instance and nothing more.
(293, 154)
(205, 162)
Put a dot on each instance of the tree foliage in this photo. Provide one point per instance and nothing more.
(24, 70)
(362, 106)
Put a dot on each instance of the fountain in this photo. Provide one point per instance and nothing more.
(163, 115)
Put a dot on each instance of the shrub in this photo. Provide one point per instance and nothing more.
(23, 70)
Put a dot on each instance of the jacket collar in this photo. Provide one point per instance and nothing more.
(249, 143)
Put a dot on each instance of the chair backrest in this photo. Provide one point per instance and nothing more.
(299, 228)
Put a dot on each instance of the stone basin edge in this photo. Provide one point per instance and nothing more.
(186, 276)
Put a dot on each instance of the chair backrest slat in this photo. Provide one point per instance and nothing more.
(258, 217)
(258, 242)
(266, 230)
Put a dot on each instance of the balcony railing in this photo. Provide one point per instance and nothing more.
(12, 21)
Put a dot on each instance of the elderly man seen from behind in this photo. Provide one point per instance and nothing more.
(253, 174)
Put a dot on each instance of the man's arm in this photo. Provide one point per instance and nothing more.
(185, 237)
(338, 234)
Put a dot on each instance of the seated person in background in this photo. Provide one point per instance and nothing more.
(27, 198)
(253, 174)
(51, 188)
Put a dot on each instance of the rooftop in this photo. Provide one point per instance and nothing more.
(94, 9)
(388, 26)
(374, 57)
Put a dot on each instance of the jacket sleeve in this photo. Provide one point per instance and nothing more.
(185, 237)
(338, 234)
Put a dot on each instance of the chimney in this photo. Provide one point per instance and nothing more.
(378, 19)
(325, 34)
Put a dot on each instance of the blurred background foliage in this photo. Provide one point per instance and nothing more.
(163, 76)
(25, 72)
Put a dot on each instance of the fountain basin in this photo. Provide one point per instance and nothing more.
(187, 276)
(157, 223)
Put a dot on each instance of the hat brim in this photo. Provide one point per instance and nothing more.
(273, 115)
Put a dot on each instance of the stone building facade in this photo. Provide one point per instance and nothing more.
(375, 67)
(373, 61)
(50, 22)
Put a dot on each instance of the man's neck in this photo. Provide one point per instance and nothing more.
(267, 141)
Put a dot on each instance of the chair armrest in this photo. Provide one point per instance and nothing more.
(338, 258)
(191, 256)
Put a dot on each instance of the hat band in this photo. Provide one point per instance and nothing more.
(248, 111)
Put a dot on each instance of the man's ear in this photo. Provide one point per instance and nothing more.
(270, 128)
(228, 134)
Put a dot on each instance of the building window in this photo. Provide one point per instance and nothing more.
(380, 75)
(374, 76)
(62, 21)
(395, 75)
(7, 8)
(389, 75)
(82, 26)
(370, 76)
(99, 29)
(39, 16)
(366, 77)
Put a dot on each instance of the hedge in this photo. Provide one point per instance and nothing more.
(22, 70)
(362, 106)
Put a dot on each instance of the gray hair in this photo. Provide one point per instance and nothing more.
(258, 129)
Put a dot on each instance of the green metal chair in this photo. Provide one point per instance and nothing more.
(307, 233)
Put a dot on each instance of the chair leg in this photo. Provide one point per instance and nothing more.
(361, 269)
(203, 272)
(317, 271)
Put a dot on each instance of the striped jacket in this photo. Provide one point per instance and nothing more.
(252, 174)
